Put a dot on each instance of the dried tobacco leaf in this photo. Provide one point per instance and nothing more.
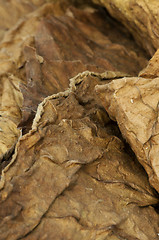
(151, 70)
(36, 42)
(70, 176)
(12, 74)
(139, 17)
(59, 184)
(86, 47)
(10, 113)
(11, 11)
(133, 103)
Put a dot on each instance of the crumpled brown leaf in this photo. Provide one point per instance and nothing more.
(12, 74)
(11, 11)
(140, 17)
(10, 114)
(151, 70)
(133, 103)
(70, 177)
(86, 47)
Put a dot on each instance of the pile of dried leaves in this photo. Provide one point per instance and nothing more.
(79, 125)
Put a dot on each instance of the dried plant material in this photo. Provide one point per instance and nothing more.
(11, 101)
(133, 103)
(59, 184)
(151, 70)
(8, 137)
(10, 114)
(11, 97)
(71, 176)
(141, 18)
(33, 52)
(21, 34)
(12, 74)
(14, 11)
(86, 47)
(11, 11)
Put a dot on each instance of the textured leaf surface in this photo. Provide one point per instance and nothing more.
(66, 171)
(139, 17)
(70, 177)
